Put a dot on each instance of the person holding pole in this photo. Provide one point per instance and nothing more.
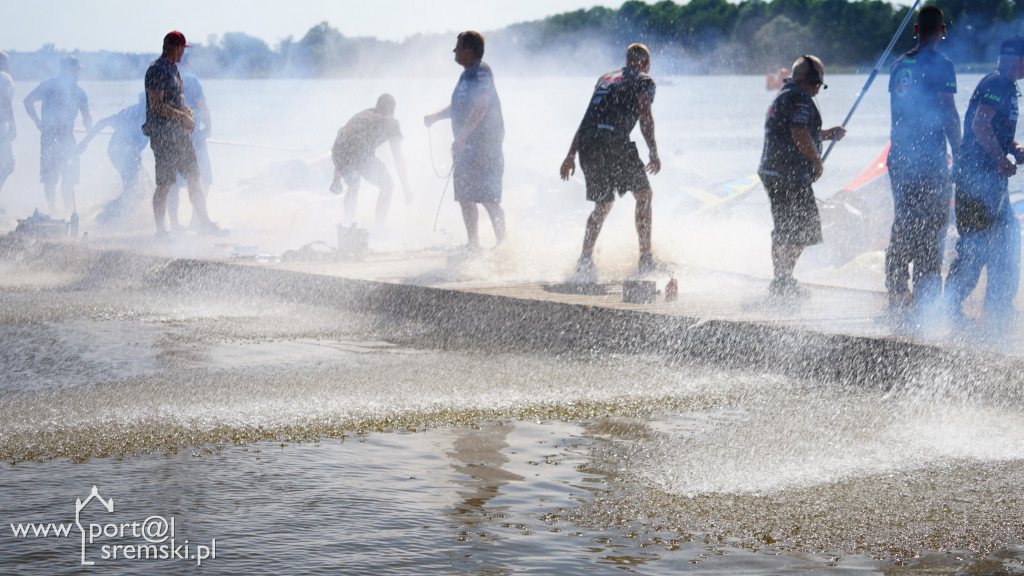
(922, 85)
(989, 230)
(790, 163)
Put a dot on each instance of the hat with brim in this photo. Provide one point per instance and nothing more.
(1012, 46)
(175, 38)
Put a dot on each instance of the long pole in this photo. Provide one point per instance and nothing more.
(871, 77)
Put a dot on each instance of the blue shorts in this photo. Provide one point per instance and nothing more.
(478, 173)
(58, 157)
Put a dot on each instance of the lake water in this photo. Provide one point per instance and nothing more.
(298, 438)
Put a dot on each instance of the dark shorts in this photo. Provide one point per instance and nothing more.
(794, 211)
(364, 166)
(478, 173)
(58, 157)
(174, 155)
(610, 166)
(203, 160)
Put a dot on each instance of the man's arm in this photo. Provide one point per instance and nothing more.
(441, 114)
(30, 106)
(647, 129)
(396, 153)
(83, 107)
(202, 111)
(982, 127)
(96, 129)
(156, 102)
(950, 121)
(802, 138)
(569, 164)
(7, 112)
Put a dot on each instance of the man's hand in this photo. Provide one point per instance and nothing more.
(817, 171)
(1018, 154)
(1006, 168)
(429, 120)
(568, 167)
(836, 133)
(654, 166)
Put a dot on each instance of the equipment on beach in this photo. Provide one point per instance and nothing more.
(874, 72)
(42, 226)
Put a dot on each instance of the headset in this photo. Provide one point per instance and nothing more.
(813, 76)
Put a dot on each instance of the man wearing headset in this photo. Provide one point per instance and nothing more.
(922, 85)
(790, 163)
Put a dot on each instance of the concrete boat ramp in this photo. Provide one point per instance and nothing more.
(832, 334)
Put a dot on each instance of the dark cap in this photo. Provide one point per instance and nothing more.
(71, 62)
(1012, 46)
(175, 38)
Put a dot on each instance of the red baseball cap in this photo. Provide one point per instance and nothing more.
(175, 38)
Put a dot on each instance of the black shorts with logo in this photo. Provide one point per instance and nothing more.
(609, 166)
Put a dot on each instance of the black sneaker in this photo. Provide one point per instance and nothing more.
(787, 287)
(646, 265)
(585, 272)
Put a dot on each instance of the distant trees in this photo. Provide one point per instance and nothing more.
(695, 36)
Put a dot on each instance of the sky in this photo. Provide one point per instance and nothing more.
(139, 26)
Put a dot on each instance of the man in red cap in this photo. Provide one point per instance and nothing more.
(169, 124)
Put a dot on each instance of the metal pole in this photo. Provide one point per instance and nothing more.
(871, 77)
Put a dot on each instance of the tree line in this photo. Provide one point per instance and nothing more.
(698, 37)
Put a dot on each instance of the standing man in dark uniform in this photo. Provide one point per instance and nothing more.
(790, 163)
(610, 160)
(62, 100)
(169, 124)
(989, 230)
(354, 157)
(922, 85)
(479, 131)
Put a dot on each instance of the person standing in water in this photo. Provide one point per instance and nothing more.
(790, 163)
(989, 229)
(922, 85)
(169, 124)
(479, 130)
(62, 101)
(610, 160)
(354, 158)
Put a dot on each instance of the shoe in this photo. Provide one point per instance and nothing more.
(787, 287)
(585, 272)
(646, 265)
